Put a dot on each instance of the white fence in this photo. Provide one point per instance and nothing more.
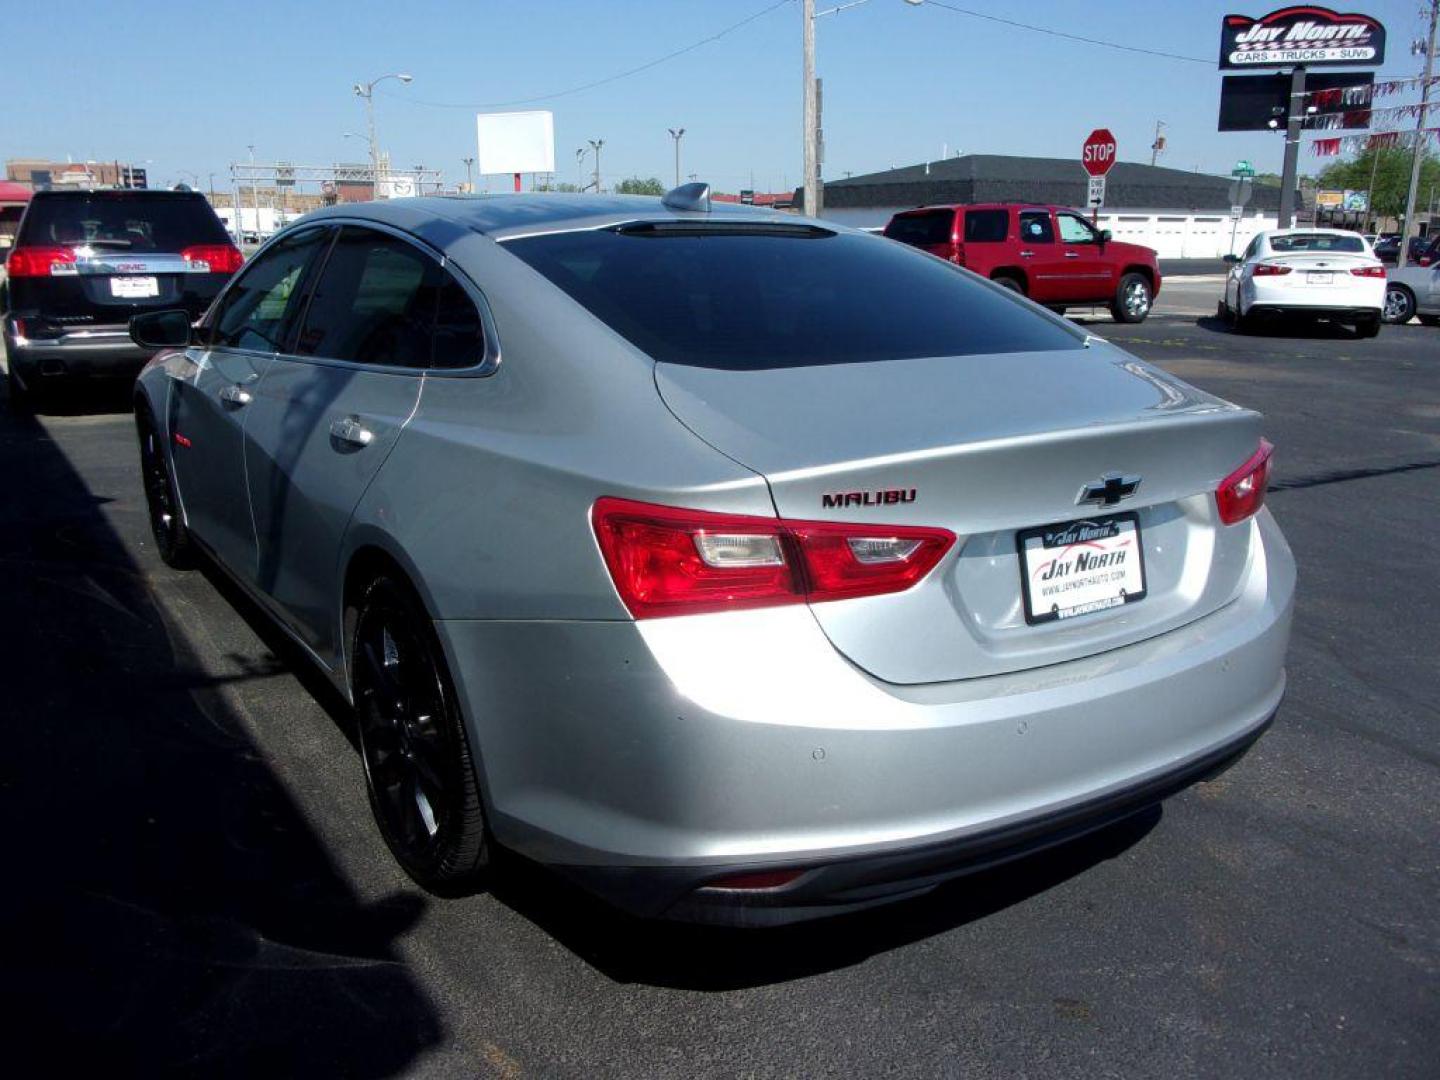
(1174, 234)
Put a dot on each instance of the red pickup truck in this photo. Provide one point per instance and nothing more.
(1052, 254)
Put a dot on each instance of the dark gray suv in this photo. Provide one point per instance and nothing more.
(85, 261)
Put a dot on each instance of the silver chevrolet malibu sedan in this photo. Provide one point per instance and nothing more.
(735, 565)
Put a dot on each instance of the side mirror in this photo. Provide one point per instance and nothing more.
(161, 329)
(1106, 236)
(1230, 258)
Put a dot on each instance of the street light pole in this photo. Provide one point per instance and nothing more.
(469, 176)
(596, 144)
(254, 192)
(677, 134)
(1417, 151)
(367, 91)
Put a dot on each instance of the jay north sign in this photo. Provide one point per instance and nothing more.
(1301, 35)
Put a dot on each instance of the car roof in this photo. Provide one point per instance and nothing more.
(1309, 231)
(505, 217)
(983, 206)
(107, 193)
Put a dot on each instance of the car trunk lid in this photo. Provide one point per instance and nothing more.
(987, 446)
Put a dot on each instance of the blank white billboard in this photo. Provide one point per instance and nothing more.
(515, 142)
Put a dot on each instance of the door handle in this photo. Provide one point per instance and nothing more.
(351, 431)
(1072, 254)
(235, 395)
(1027, 254)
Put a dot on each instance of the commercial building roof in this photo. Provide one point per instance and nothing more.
(976, 178)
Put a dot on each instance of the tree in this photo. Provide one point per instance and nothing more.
(562, 186)
(1392, 177)
(636, 186)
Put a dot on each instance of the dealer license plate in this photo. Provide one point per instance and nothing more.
(134, 288)
(1319, 277)
(1080, 567)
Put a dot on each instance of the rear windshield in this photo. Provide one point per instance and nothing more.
(922, 229)
(1317, 242)
(746, 300)
(122, 221)
(986, 226)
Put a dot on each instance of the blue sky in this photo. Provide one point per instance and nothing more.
(187, 86)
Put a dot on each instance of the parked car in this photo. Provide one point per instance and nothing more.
(1414, 290)
(736, 565)
(1427, 253)
(1387, 248)
(1309, 273)
(1050, 253)
(84, 262)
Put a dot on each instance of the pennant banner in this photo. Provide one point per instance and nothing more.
(1379, 140)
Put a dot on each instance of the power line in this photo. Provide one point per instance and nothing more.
(599, 82)
(1068, 37)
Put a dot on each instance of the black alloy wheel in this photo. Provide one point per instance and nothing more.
(172, 538)
(419, 771)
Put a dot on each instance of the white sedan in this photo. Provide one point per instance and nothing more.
(1411, 291)
(1323, 273)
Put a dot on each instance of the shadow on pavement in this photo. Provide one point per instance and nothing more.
(167, 909)
(708, 958)
(1294, 328)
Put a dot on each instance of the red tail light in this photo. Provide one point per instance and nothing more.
(39, 261)
(668, 561)
(1270, 269)
(1242, 493)
(213, 258)
(758, 881)
(1369, 271)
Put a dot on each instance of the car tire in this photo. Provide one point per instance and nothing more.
(419, 771)
(1132, 299)
(162, 501)
(1007, 282)
(1399, 304)
(1368, 328)
(1430, 320)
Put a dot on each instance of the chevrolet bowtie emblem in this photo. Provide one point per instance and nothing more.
(1111, 489)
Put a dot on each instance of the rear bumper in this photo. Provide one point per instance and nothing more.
(94, 352)
(1341, 313)
(833, 888)
(647, 759)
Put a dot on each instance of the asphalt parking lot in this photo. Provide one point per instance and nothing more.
(196, 885)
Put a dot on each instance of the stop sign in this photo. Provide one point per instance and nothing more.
(1098, 154)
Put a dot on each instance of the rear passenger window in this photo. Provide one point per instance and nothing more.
(1035, 227)
(922, 230)
(986, 226)
(381, 300)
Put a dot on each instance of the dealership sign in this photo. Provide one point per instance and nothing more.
(1302, 34)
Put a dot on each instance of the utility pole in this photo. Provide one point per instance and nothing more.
(469, 175)
(1418, 149)
(1289, 173)
(580, 167)
(811, 114)
(677, 134)
(595, 145)
(1370, 194)
(1158, 146)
